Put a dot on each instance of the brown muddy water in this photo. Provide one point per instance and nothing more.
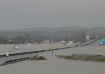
(57, 65)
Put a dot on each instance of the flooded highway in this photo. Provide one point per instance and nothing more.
(57, 65)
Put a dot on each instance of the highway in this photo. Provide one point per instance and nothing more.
(95, 43)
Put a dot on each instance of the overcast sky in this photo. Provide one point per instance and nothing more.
(18, 14)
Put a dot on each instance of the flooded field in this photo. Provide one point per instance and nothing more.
(57, 65)
(23, 47)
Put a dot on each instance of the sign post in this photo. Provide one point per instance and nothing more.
(7, 55)
(16, 47)
(28, 45)
(52, 48)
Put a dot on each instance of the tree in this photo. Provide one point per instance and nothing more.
(3, 40)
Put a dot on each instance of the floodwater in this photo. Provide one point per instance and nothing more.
(34, 47)
(4, 48)
(23, 47)
(57, 65)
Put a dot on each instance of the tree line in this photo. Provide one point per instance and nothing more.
(21, 39)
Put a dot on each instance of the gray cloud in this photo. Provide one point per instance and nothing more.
(16, 14)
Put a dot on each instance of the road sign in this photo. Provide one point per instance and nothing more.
(52, 48)
(16, 47)
(103, 39)
(7, 54)
(87, 37)
(28, 45)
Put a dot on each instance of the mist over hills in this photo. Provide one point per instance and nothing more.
(49, 32)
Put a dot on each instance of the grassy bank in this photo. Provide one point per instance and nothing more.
(96, 58)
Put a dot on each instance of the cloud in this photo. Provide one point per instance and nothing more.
(16, 14)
